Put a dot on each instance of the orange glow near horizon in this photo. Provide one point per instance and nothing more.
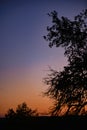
(23, 85)
(26, 85)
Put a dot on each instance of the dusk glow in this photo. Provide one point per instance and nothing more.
(24, 54)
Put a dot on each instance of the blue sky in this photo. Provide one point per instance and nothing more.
(24, 54)
(23, 24)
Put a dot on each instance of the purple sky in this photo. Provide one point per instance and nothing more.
(23, 51)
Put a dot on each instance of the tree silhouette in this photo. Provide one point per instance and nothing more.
(68, 88)
(10, 113)
(22, 111)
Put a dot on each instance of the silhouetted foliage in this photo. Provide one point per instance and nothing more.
(68, 88)
(22, 111)
(10, 113)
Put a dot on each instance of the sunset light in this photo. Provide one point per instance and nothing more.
(25, 56)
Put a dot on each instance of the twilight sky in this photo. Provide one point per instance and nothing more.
(24, 54)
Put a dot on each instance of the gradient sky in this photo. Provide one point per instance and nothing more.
(24, 54)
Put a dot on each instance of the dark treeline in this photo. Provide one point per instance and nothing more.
(45, 122)
(26, 118)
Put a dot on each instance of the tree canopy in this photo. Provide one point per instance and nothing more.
(68, 87)
(22, 111)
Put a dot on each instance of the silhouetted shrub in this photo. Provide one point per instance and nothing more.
(22, 111)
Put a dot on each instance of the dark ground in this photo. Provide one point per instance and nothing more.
(44, 123)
